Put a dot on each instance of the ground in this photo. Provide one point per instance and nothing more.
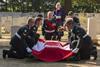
(4, 44)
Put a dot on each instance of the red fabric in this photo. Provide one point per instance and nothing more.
(42, 40)
(52, 53)
(58, 20)
(50, 24)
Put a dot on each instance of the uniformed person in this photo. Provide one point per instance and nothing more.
(76, 20)
(33, 36)
(80, 40)
(20, 48)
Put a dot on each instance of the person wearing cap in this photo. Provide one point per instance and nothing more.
(20, 48)
(80, 40)
(75, 18)
(33, 36)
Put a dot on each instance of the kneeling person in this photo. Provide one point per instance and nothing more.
(80, 40)
(19, 47)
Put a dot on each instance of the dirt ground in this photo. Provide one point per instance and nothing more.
(37, 63)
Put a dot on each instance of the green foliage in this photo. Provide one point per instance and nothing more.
(17, 6)
(62, 2)
(46, 5)
(85, 6)
(29, 5)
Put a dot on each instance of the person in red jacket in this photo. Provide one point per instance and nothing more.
(49, 26)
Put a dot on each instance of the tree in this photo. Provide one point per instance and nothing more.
(43, 5)
(18, 5)
(46, 5)
(30, 5)
(3, 5)
(84, 5)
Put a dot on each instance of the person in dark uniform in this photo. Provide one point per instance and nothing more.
(80, 40)
(20, 48)
(33, 35)
(76, 20)
(49, 27)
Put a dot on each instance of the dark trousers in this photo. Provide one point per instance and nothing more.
(17, 53)
(59, 35)
(86, 46)
(18, 48)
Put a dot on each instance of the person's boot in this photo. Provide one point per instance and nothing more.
(5, 53)
(93, 55)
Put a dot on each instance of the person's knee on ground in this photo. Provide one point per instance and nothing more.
(93, 54)
(9, 54)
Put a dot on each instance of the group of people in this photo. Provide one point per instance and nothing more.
(53, 28)
(53, 22)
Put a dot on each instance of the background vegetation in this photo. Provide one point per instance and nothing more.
(89, 6)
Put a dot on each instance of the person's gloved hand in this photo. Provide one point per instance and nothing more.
(76, 50)
(28, 50)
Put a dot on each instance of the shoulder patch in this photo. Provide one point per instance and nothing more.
(25, 30)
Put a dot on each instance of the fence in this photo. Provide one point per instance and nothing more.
(10, 22)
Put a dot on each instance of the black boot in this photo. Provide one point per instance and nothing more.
(94, 53)
(5, 53)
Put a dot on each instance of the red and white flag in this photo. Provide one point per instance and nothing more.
(51, 51)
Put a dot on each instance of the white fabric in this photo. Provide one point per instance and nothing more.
(48, 31)
(67, 47)
(39, 46)
(75, 50)
(58, 17)
(28, 50)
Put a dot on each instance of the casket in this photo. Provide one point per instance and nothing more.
(51, 51)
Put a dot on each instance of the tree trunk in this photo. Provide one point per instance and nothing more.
(98, 1)
(67, 5)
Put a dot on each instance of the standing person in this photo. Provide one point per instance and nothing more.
(19, 46)
(80, 40)
(59, 14)
(49, 26)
